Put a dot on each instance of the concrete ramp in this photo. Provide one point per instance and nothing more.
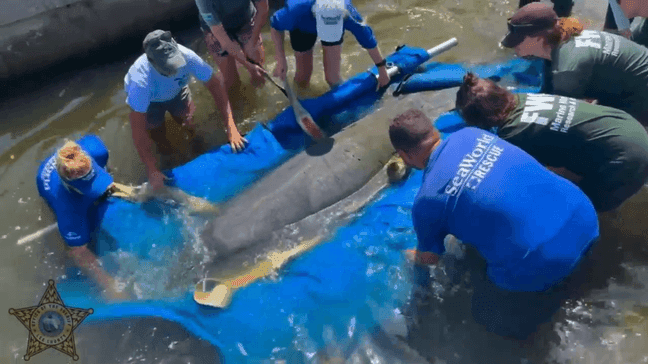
(35, 34)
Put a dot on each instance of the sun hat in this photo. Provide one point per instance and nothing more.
(329, 18)
(163, 52)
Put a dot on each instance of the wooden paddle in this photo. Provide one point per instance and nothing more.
(303, 117)
(218, 293)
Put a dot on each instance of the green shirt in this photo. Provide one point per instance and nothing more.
(564, 132)
(603, 66)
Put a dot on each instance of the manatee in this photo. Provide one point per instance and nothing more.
(316, 178)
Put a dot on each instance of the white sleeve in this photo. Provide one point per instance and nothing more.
(199, 68)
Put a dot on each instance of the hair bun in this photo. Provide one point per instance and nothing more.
(470, 79)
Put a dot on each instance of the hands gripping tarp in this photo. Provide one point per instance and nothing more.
(349, 285)
(228, 173)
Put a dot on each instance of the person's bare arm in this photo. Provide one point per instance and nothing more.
(383, 77)
(217, 90)
(88, 262)
(261, 17)
(144, 146)
(280, 53)
(641, 9)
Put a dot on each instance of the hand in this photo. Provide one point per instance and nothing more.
(280, 69)
(116, 291)
(187, 118)
(253, 49)
(383, 77)
(421, 258)
(237, 142)
(156, 179)
(256, 72)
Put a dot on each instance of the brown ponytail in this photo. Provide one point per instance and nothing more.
(483, 103)
(564, 29)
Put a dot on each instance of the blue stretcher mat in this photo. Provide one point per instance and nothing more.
(349, 284)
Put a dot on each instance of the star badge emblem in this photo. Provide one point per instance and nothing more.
(51, 324)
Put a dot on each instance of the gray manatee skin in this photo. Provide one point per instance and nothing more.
(315, 178)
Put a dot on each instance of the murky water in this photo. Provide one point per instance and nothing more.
(606, 322)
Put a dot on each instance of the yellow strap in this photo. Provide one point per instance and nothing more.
(221, 295)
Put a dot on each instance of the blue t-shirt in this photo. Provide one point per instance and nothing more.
(530, 225)
(144, 84)
(77, 216)
(298, 14)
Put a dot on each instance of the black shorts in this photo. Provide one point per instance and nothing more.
(517, 315)
(304, 42)
(621, 177)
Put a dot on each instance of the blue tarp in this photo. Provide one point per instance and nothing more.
(438, 76)
(349, 283)
(220, 174)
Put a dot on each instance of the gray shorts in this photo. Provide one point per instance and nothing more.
(180, 107)
(242, 37)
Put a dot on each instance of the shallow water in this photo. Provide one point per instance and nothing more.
(606, 323)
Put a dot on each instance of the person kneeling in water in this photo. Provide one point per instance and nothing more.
(585, 64)
(492, 196)
(601, 149)
(74, 182)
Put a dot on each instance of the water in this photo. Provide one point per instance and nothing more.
(607, 323)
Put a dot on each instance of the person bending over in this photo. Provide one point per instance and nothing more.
(327, 19)
(585, 64)
(601, 149)
(232, 31)
(492, 196)
(158, 82)
(74, 183)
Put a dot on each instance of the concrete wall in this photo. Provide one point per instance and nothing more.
(35, 34)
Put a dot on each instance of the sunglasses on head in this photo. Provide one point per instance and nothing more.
(165, 37)
(517, 27)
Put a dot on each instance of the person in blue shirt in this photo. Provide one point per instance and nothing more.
(306, 20)
(232, 31)
(73, 182)
(158, 82)
(492, 196)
